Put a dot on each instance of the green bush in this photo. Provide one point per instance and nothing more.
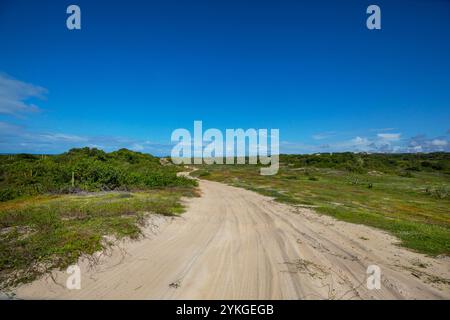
(405, 174)
(91, 169)
(364, 162)
(7, 194)
(204, 174)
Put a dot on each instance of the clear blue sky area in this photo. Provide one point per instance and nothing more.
(137, 70)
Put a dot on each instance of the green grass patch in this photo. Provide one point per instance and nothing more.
(413, 207)
(38, 234)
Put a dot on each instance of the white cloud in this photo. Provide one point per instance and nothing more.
(17, 139)
(137, 147)
(422, 143)
(389, 136)
(14, 96)
(382, 142)
(439, 142)
(358, 141)
(382, 129)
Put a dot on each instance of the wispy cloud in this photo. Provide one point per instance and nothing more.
(324, 135)
(389, 136)
(137, 147)
(15, 139)
(380, 142)
(15, 96)
(61, 137)
(355, 144)
(439, 142)
(381, 129)
(421, 143)
(7, 129)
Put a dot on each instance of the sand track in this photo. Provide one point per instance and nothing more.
(236, 244)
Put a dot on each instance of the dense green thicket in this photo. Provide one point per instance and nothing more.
(86, 169)
(402, 164)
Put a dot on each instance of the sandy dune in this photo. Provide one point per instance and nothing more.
(236, 244)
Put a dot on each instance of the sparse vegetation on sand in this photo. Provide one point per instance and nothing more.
(52, 220)
(404, 194)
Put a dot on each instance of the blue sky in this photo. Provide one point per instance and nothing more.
(137, 70)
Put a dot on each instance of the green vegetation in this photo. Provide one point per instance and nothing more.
(84, 170)
(43, 227)
(402, 164)
(404, 194)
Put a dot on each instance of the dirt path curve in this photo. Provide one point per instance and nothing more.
(236, 244)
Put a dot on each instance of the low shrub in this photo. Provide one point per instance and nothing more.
(86, 169)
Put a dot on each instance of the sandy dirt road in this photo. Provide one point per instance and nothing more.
(236, 244)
